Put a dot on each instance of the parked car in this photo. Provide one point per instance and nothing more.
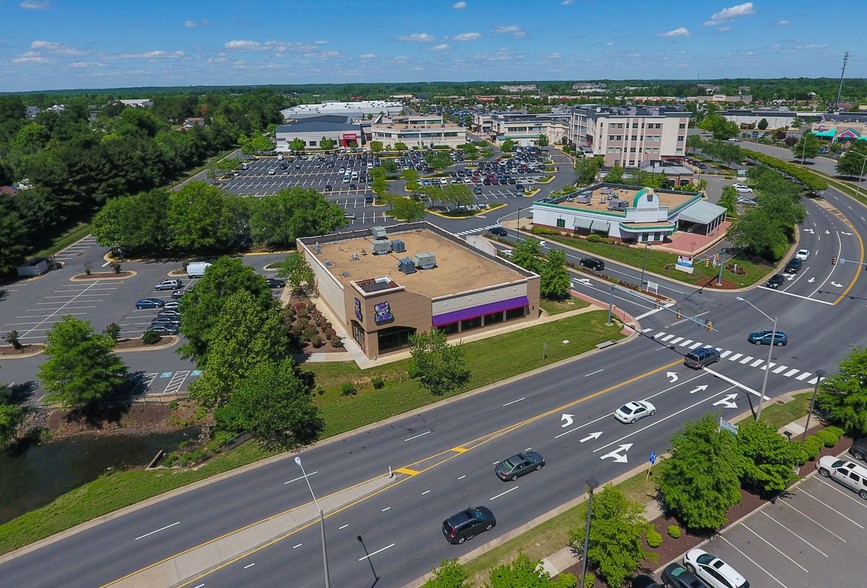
(519, 464)
(467, 524)
(169, 314)
(498, 231)
(645, 581)
(178, 294)
(329, 187)
(150, 303)
(793, 267)
(597, 265)
(703, 356)
(168, 285)
(776, 281)
(859, 449)
(634, 411)
(712, 570)
(764, 338)
(803, 254)
(162, 320)
(677, 576)
(277, 282)
(742, 189)
(848, 473)
(163, 329)
(172, 305)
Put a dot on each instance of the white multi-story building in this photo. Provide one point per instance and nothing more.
(421, 131)
(628, 136)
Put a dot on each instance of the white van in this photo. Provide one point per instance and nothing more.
(196, 269)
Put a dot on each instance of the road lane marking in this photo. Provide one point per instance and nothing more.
(503, 493)
(340, 528)
(385, 509)
(293, 547)
(514, 401)
(300, 477)
(157, 531)
(369, 555)
(249, 565)
(417, 436)
(594, 373)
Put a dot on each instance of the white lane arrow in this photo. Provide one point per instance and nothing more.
(672, 377)
(845, 233)
(566, 419)
(728, 401)
(827, 232)
(616, 454)
(836, 285)
(582, 281)
(811, 280)
(698, 389)
(591, 436)
(808, 231)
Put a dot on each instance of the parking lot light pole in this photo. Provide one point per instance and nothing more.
(591, 485)
(770, 354)
(819, 375)
(321, 520)
(518, 227)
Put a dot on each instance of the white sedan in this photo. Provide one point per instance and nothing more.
(634, 411)
(803, 254)
(742, 189)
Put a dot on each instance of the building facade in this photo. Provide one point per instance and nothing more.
(386, 284)
(345, 131)
(422, 131)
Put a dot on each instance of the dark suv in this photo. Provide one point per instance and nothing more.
(794, 266)
(597, 265)
(859, 449)
(467, 524)
(499, 231)
(701, 357)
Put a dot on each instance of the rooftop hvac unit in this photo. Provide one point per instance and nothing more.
(425, 261)
(584, 197)
(378, 232)
(616, 204)
(381, 247)
(406, 266)
(398, 246)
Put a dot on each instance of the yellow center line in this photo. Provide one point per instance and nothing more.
(860, 262)
(432, 461)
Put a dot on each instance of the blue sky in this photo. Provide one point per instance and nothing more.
(73, 44)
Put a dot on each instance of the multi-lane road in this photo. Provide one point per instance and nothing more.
(443, 456)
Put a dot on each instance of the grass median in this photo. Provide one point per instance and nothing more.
(490, 360)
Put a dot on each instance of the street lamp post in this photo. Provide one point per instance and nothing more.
(643, 266)
(770, 354)
(819, 375)
(591, 485)
(863, 157)
(518, 227)
(321, 521)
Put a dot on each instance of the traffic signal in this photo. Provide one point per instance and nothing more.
(834, 260)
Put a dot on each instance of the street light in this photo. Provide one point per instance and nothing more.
(591, 485)
(321, 521)
(770, 352)
(518, 227)
(819, 375)
(863, 157)
(643, 266)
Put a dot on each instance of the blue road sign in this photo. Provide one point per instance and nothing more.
(652, 457)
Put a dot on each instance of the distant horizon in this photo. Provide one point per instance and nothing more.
(47, 45)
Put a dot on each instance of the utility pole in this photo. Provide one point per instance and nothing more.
(842, 73)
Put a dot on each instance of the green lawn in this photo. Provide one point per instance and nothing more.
(553, 307)
(64, 240)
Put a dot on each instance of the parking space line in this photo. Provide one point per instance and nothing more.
(826, 505)
(813, 520)
(774, 578)
(774, 547)
(176, 381)
(792, 533)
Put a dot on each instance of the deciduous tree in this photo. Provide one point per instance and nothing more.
(297, 272)
(13, 241)
(767, 458)
(196, 218)
(406, 209)
(522, 572)
(292, 213)
(526, 255)
(807, 147)
(853, 162)
(842, 398)
(555, 281)
(439, 367)
(450, 574)
(586, 169)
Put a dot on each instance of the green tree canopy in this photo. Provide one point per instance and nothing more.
(11, 416)
(135, 224)
(376, 146)
(296, 144)
(807, 147)
(438, 160)
(767, 458)
(614, 175)
(526, 255)
(81, 369)
(292, 213)
(197, 218)
(439, 367)
(853, 161)
(555, 281)
(13, 241)
(729, 199)
(586, 169)
(400, 146)
(842, 397)
(522, 572)
(450, 574)
(719, 126)
(700, 481)
(508, 146)
(297, 272)
(406, 209)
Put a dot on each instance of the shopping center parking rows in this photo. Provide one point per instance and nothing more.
(813, 535)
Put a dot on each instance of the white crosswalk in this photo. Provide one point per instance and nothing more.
(753, 362)
(478, 230)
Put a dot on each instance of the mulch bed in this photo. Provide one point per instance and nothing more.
(9, 351)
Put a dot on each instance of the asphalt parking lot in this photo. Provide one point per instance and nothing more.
(813, 536)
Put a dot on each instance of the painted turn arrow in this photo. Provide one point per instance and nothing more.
(616, 453)
(672, 377)
(591, 436)
(698, 389)
(728, 401)
(566, 419)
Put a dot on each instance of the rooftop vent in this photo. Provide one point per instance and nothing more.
(398, 246)
(406, 266)
(425, 261)
(381, 247)
(615, 204)
(378, 232)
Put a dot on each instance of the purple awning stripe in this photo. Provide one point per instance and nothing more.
(476, 311)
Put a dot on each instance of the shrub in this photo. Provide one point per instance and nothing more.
(150, 337)
(173, 405)
(115, 265)
(337, 343)
(589, 580)
(378, 383)
(673, 531)
(837, 431)
(544, 231)
(348, 389)
(316, 341)
(653, 538)
(320, 390)
(594, 238)
(113, 331)
(826, 438)
(308, 333)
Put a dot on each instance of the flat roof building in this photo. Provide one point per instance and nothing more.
(344, 130)
(371, 107)
(387, 283)
(423, 131)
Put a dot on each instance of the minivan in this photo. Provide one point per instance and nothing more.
(467, 524)
(698, 358)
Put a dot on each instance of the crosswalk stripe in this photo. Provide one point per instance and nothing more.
(772, 364)
(666, 338)
(747, 359)
(779, 369)
(660, 335)
(686, 343)
(646, 330)
(675, 341)
(735, 357)
(725, 353)
(694, 345)
(757, 362)
(803, 376)
(789, 373)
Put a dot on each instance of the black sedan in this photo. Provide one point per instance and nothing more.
(518, 465)
(776, 281)
(275, 282)
(150, 303)
(679, 577)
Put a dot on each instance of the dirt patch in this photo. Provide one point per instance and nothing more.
(126, 344)
(137, 419)
(710, 283)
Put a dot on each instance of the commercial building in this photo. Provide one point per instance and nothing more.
(388, 283)
(776, 119)
(522, 127)
(422, 131)
(344, 130)
(630, 135)
(628, 213)
(357, 109)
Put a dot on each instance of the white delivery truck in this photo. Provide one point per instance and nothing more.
(196, 269)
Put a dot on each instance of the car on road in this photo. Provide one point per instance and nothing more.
(803, 254)
(498, 231)
(150, 303)
(848, 473)
(634, 411)
(712, 570)
(645, 581)
(468, 523)
(597, 265)
(519, 464)
(698, 358)
(764, 338)
(793, 267)
(168, 285)
(859, 449)
(742, 189)
(776, 281)
(677, 576)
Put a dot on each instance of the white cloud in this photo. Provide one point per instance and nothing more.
(513, 30)
(158, 54)
(367, 56)
(467, 36)
(729, 13)
(567, 2)
(416, 38)
(783, 23)
(35, 4)
(85, 64)
(191, 24)
(58, 48)
(244, 45)
(459, 5)
(679, 32)
(30, 57)
(442, 47)
(609, 43)
(555, 55)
